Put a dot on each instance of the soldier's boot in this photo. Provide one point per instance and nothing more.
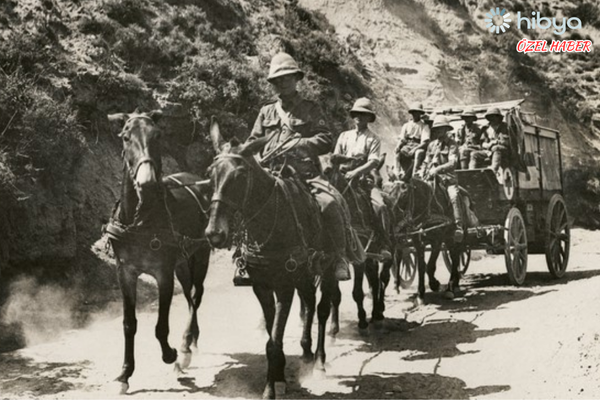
(464, 163)
(496, 160)
(457, 210)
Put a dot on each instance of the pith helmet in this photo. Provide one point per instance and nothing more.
(364, 106)
(416, 107)
(493, 111)
(283, 64)
(468, 114)
(441, 121)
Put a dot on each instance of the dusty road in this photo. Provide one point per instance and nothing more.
(538, 341)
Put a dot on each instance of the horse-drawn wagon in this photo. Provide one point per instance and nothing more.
(519, 211)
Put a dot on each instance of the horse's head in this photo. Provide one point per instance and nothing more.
(231, 176)
(141, 147)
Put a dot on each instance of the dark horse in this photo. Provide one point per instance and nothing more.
(378, 276)
(157, 231)
(424, 215)
(281, 237)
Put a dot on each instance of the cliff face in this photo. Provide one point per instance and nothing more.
(66, 65)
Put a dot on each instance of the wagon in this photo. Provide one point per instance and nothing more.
(522, 210)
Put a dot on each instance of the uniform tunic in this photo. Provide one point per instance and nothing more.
(363, 145)
(304, 118)
(442, 155)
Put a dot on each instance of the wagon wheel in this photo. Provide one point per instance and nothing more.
(558, 237)
(515, 247)
(465, 260)
(405, 265)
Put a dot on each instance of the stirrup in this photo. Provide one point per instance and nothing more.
(240, 276)
(459, 234)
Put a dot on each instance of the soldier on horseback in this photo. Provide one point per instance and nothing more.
(357, 152)
(297, 134)
(439, 165)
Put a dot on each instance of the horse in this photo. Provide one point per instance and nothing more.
(424, 214)
(278, 228)
(363, 222)
(157, 228)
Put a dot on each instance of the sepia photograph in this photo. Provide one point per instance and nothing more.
(299, 199)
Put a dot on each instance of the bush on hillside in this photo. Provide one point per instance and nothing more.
(587, 12)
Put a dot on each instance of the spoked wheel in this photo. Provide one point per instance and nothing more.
(515, 247)
(558, 237)
(465, 260)
(405, 262)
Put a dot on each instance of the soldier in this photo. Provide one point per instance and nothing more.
(413, 140)
(296, 129)
(440, 163)
(495, 138)
(468, 139)
(357, 151)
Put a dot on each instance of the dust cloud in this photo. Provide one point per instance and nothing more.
(38, 311)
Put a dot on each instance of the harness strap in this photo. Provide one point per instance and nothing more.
(290, 201)
(190, 191)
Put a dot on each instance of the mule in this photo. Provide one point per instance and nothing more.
(420, 206)
(157, 228)
(278, 227)
(378, 274)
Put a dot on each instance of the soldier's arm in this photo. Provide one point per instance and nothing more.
(503, 137)
(321, 142)
(372, 159)
(425, 138)
(257, 129)
(452, 163)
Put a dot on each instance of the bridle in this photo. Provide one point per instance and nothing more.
(146, 159)
(218, 197)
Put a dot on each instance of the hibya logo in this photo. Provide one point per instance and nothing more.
(497, 21)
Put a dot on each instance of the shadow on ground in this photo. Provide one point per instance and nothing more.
(533, 279)
(21, 376)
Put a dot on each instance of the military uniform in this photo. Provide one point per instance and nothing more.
(414, 136)
(495, 141)
(441, 160)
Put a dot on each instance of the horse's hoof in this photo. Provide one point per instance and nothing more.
(319, 374)
(363, 325)
(118, 387)
(434, 285)
(280, 388)
(308, 358)
(269, 392)
(170, 356)
(449, 295)
(419, 301)
(184, 360)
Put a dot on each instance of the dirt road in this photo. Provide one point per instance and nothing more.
(538, 341)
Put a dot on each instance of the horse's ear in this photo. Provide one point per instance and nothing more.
(155, 115)
(117, 121)
(253, 146)
(215, 135)
(137, 111)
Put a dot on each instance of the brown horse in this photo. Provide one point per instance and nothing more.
(159, 231)
(378, 276)
(425, 208)
(279, 231)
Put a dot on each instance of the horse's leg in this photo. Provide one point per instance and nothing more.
(358, 294)
(336, 299)
(191, 275)
(307, 294)
(420, 255)
(128, 284)
(327, 288)
(372, 273)
(275, 356)
(453, 289)
(384, 280)
(165, 294)
(436, 247)
(267, 302)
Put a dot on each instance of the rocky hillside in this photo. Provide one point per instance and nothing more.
(64, 65)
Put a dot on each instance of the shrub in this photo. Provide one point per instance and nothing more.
(587, 12)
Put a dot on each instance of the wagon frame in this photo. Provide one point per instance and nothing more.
(520, 212)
